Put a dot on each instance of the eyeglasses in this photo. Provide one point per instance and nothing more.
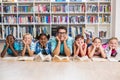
(62, 33)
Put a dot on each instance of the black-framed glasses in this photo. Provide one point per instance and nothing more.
(62, 33)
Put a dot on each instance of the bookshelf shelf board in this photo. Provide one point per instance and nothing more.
(25, 13)
(59, 13)
(9, 23)
(42, 12)
(26, 23)
(46, 24)
(42, 2)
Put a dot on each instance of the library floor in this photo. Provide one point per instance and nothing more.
(29, 70)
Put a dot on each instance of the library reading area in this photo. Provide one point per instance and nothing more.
(59, 40)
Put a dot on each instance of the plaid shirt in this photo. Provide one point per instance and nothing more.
(39, 49)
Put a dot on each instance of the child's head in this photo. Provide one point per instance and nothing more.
(43, 38)
(10, 38)
(97, 41)
(113, 42)
(79, 39)
(27, 38)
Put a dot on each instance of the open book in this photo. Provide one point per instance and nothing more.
(113, 59)
(84, 58)
(10, 58)
(60, 59)
(99, 59)
(25, 58)
(44, 58)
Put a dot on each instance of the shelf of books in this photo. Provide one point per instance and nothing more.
(87, 17)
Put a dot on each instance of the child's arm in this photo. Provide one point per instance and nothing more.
(83, 51)
(24, 49)
(76, 50)
(13, 50)
(91, 51)
(30, 52)
(102, 52)
(4, 50)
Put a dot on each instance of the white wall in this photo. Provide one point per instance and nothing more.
(116, 16)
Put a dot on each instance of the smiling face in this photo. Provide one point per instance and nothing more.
(97, 42)
(62, 34)
(27, 39)
(80, 41)
(113, 43)
(10, 39)
(43, 39)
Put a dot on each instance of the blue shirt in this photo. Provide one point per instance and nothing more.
(54, 43)
(39, 49)
(32, 46)
(16, 47)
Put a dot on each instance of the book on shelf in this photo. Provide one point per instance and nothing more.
(41, 29)
(77, 8)
(92, 19)
(10, 8)
(105, 8)
(60, 59)
(0, 18)
(89, 32)
(76, 0)
(43, 58)
(43, 8)
(25, 19)
(10, 19)
(59, 19)
(25, 8)
(59, 8)
(104, 18)
(25, 29)
(10, 30)
(77, 19)
(92, 8)
(0, 32)
(75, 30)
(9, 0)
(42, 19)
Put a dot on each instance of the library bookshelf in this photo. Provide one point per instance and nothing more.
(87, 17)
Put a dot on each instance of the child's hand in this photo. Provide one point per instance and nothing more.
(77, 43)
(66, 37)
(24, 42)
(57, 38)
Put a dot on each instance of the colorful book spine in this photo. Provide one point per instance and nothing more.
(10, 30)
(59, 19)
(43, 8)
(42, 19)
(104, 19)
(25, 29)
(76, 0)
(25, 8)
(25, 0)
(92, 8)
(105, 8)
(0, 32)
(59, 8)
(0, 18)
(10, 19)
(105, 0)
(60, 0)
(25, 19)
(42, 0)
(75, 30)
(77, 19)
(9, 8)
(102, 34)
(92, 19)
(77, 8)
